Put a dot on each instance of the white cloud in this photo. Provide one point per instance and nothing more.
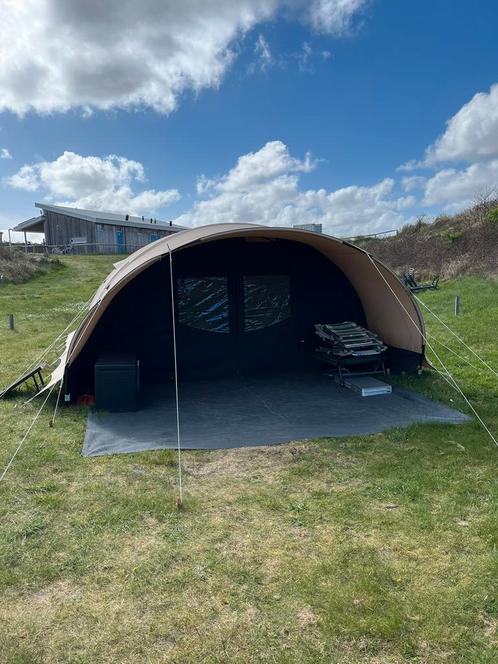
(262, 51)
(204, 185)
(92, 182)
(334, 16)
(263, 187)
(62, 54)
(413, 182)
(305, 57)
(8, 220)
(5, 154)
(272, 160)
(472, 133)
(26, 178)
(412, 165)
(455, 188)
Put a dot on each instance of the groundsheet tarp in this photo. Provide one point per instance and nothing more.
(263, 410)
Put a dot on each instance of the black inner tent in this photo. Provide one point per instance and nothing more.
(242, 306)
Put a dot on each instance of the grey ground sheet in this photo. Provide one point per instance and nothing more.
(263, 410)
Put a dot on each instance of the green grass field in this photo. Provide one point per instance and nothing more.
(370, 549)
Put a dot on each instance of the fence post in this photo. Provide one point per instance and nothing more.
(10, 321)
(457, 305)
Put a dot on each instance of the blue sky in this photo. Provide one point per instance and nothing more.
(272, 112)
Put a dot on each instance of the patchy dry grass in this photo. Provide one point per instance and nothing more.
(375, 549)
(451, 246)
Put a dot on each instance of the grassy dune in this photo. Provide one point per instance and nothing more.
(369, 549)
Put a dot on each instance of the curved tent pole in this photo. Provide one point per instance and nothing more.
(179, 500)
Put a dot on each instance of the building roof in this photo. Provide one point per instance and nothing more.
(35, 225)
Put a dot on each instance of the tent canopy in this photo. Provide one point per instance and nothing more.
(246, 298)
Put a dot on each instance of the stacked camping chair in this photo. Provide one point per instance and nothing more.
(350, 348)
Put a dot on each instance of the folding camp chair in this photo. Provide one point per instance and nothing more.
(350, 348)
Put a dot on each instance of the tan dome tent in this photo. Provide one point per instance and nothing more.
(246, 300)
(246, 297)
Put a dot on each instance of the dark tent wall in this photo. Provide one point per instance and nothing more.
(242, 305)
(255, 305)
(137, 321)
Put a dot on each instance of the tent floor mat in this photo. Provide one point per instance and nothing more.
(259, 410)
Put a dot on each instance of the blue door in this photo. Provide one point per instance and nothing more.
(120, 242)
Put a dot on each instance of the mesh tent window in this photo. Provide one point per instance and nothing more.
(203, 303)
(266, 300)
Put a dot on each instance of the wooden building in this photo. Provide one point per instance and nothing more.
(71, 230)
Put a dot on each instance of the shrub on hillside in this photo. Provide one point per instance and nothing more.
(493, 216)
(451, 236)
(17, 266)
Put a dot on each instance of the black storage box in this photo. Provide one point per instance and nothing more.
(116, 382)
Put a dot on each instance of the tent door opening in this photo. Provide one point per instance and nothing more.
(235, 324)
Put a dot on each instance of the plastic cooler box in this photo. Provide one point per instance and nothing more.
(116, 382)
